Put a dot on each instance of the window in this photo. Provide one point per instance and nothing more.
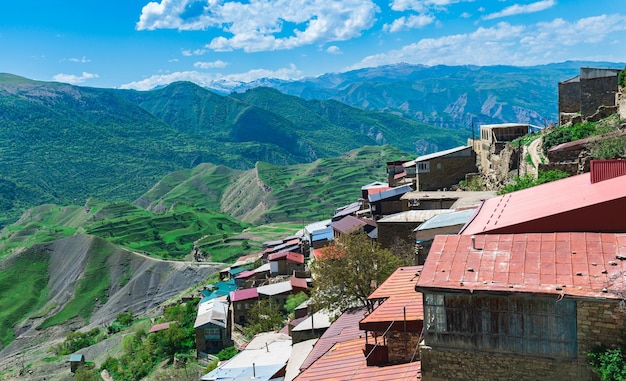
(423, 167)
(212, 334)
(534, 326)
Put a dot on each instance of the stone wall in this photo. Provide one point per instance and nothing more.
(402, 346)
(446, 172)
(596, 92)
(569, 97)
(598, 323)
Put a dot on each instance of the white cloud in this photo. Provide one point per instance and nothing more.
(411, 22)
(505, 43)
(210, 65)
(263, 25)
(196, 52)
(74, 79)
(334, 50)
(517, 9)
(205, 79)
(83, 59)
(422, 5)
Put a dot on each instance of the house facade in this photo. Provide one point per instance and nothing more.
(442, 170)
(520, 306)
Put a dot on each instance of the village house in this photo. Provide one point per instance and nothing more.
(582, 203)
(397, 229)
(286, 263)
(444, 199)
(318, 234)
(585, 94)
(263, 359)
(310, 327)
(441, 170)
(491, 143)
(520, 306)
(388, 201)
(447, 223)
(350, 224)
(351, 209)
(240, 303)
(213, 326)
(381, 345)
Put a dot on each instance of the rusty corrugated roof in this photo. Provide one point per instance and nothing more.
(587, 265)
(401, 300)
(570, 204)
(346, 361)
(345, 328)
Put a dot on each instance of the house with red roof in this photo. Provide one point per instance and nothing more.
(590, 202)
(286, 263)
(240, 302)
(377, 346)
(522, 306)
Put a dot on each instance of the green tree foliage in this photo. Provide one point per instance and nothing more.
(84, 373)
(141, 352)
(78, 340)
(569, 133)
(264, 316)
(349, 271)
(293, 301)
(125, 318)
(528, 181)
(608, 364)
(621, 77)
(227, 353)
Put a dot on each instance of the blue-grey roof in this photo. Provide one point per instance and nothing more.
(440, 154)
(218, 289)
(449, 219)
(76, 357)
(397, 191)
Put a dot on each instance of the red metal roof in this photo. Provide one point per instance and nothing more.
(560, 264)
(295, 257)
(566, 205)
(345, 328)
(245, 274)
(607, 169)
(401, 301)
(298, 282)
(377, 190)
(160, 327)
(346, 361)
(244, 294)
(277, 256)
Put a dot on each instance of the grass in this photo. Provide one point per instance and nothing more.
(23, 290)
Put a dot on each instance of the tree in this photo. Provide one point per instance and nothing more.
(264, 316)
(349, 271)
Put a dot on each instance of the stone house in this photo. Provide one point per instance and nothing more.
(241, 301)
(490, 146)
(350, 224)
(388, 201)
(585, 94)
(286, 263)
(442, 170)
(398, 228)
(520, 306)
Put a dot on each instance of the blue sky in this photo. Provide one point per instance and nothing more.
(141, 44)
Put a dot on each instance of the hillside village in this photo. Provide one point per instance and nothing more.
(515, 286)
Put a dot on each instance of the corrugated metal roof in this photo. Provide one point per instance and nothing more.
(245, 274)
(299, 352)
(275, 289)
(319, 320)
(553, 207)
(277, 256)
(607, 169)
(463, 198)
(160, 327)
(416, 216)
(295, 257)
(298, 282)
(393, 192)
(212, 312)
(269, 352)
(439, 154)
(345, 328)
(375, 184)
(460, 217)
(346, 361)
(349, 224)
(347, 210)
(315, 226)
(401, 300)
(263, 268)
(244, 294)
(560, 264)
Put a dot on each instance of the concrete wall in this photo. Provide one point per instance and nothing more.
(597, 323)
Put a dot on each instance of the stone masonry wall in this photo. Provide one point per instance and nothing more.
(597, 92)
(569, 97)
(597, 324)
(402, 346)
(451, 171)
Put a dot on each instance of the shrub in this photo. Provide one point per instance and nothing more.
(227, 353)
(608, 364)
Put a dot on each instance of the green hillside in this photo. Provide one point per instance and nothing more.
(66, 143)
